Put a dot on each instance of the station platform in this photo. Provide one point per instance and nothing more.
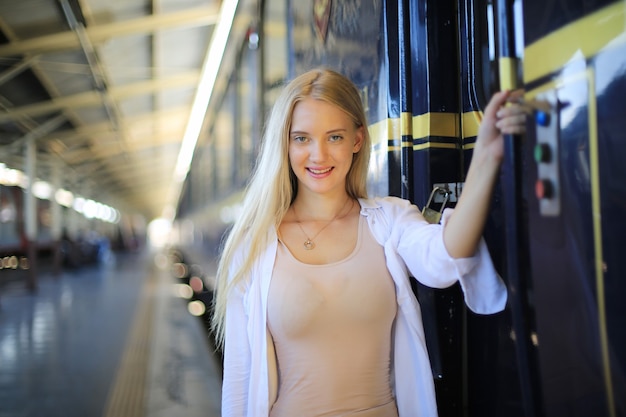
(107, 340)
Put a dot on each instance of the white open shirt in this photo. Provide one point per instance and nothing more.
(410, 244)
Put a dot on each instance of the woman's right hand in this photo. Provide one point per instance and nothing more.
(503, 115)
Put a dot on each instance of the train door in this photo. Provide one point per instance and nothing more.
(478, 368)
(483, 365)
(574, 70)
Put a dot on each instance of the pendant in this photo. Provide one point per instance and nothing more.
(308, 244)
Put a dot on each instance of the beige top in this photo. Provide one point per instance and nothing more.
(331, 326)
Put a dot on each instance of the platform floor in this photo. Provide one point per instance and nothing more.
(104, 341)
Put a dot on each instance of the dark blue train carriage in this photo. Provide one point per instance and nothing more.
(426, 70)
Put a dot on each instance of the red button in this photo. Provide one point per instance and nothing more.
(544, 189)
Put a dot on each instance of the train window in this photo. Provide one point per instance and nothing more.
(44, 219)
(8, 217)
(223, 134)
(274, 48)
(247, 123)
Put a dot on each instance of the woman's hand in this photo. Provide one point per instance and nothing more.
(504, 115)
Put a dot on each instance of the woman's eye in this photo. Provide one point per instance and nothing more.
(299, 139)
(335, 138)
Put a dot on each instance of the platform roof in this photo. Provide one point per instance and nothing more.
(104, 88)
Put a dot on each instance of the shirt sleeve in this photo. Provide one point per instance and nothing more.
(422, 249)
(237, 357)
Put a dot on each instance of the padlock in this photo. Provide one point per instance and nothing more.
(432, 215)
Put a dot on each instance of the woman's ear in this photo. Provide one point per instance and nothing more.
(358, 140)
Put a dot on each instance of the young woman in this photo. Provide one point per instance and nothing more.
(314, 308)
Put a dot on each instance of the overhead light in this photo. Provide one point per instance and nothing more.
(42, 190)
(64, 197)
(200, 104)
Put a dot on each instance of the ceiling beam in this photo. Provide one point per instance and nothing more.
(80, 133)
(200, 16)
(93, 98)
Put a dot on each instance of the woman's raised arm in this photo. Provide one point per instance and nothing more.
(464, 228)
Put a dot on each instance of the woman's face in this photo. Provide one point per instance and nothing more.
(322, 142)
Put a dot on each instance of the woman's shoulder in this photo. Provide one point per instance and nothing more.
(390, 211)
(389, 216)
(386, 204)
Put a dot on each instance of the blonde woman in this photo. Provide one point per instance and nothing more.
(314, 309)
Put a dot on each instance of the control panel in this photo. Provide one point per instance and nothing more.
(546, 153)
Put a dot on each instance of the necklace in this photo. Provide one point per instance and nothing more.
(308, 243)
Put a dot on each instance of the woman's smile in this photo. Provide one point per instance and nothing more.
(319, 171)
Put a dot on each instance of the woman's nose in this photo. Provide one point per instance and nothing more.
(318, 150)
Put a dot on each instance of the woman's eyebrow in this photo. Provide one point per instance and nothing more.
(302, 132)
(337, 130)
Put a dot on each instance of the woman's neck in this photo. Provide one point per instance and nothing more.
(320, 208)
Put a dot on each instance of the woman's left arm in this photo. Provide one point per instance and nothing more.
(464, 228)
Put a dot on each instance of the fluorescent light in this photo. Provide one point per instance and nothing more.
(42, 190)
(210, 70)
(64, 197)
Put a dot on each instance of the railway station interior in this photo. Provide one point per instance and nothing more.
(129, 130)
(98, 102)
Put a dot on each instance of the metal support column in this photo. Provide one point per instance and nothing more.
(57, 219)
(30, 214)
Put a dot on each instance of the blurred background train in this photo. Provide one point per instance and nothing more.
(426, 70)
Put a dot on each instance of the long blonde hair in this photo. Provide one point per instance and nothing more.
(273, 186)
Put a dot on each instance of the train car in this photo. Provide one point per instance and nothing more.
(74, 232)
(426, 70)
(13, 254)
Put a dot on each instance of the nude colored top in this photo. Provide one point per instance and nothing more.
(413, 249)
(331, 326)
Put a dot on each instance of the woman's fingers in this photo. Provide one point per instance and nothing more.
(497, 101)
(514, 124)
(516, 96)
(511, 119)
